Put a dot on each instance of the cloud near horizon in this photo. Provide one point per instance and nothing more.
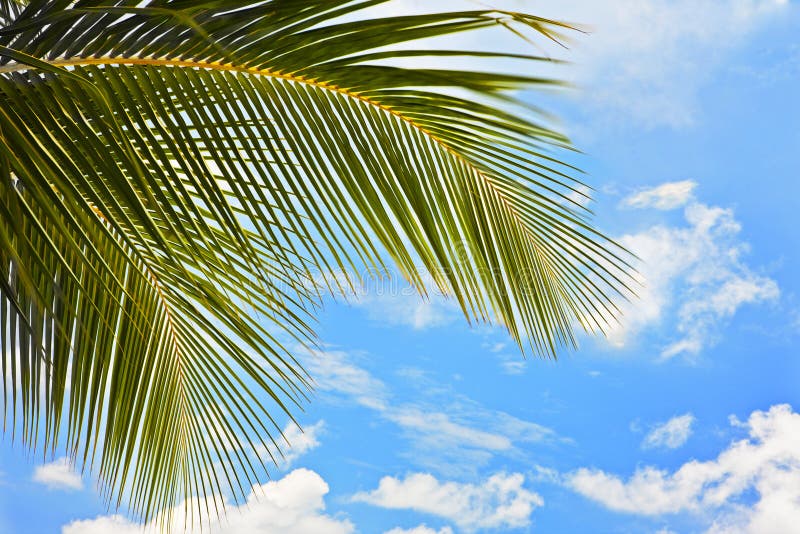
(766, 463)
(421, 529)
(292, 505)
(499, 502)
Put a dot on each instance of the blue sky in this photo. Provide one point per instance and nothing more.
(686, 419)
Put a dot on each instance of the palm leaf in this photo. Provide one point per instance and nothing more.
(174, 176)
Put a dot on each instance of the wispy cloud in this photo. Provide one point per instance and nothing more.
(646, 61)
(440, 431)
(510, 360)
(642, 62)
(670, 434)
(513, 366)
(766, 463)
(499, 502)
(455, 435)
(333, 371)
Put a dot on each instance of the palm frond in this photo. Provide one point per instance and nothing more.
(10, 10)
(175, 173)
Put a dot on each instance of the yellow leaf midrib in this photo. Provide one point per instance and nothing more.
(229, 67)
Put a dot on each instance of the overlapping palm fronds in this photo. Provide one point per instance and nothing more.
(173, 173)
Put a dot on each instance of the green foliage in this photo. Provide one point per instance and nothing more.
(174, 175)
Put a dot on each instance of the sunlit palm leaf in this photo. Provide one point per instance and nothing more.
(175, 174)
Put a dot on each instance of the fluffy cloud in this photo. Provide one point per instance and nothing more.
(300, 442)
(692, 275)
(293, 505)
(501, 501)
(766, 463)
(58, 475)
(452, 434)
(422, 529)
(672, 434)
(102, 525)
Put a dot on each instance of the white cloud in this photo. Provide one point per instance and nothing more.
(58, 475)
(441, 428)
(391, 300)
(671, 434)
(643, 61)
(332, 371)
(494, 347)
(647, 60)
(510, 363)
(513, 367)
(102, 525)
(300, 442)
(293, 505)
(459, 437)
(501, 501)
(408, 308)
(422, 529)
(767, 463)
(667, 196)
(451, 436)
(694, 279)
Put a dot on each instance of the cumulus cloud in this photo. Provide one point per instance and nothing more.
(451, 436)
(693, 276)
(671, 434)
(293, 505)
(300, 442)
(58, 475)
(766, 463)
(499, 502)
(102, 525)
(422, 529)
